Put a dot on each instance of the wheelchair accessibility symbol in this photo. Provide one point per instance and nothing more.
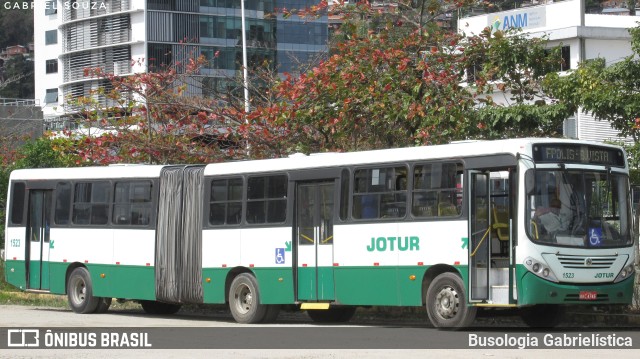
(279, 255)
(595, 237)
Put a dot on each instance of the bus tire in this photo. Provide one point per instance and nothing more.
(103, 305)
(542, 315)
(244, 300)
(80, 292)
(161, 308)
(446, 302)
(332, 315)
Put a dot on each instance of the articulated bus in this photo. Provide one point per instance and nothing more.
(533, 224)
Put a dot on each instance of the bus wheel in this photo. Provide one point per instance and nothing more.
(154, 307)
(332, 315)
(542, 315)
(103, 305)
(447, 303)
(244, 300)
(80, 292)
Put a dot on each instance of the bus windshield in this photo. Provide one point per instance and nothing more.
(578, 208)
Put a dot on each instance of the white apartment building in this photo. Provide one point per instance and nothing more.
(582, 37)
(70, 36)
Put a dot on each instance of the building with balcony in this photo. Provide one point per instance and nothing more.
(582, 37)
(132, 36)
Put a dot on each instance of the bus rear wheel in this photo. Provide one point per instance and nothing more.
(80, 292)
(446, 302)
(154, 307)
(244, 300)
(332, 315)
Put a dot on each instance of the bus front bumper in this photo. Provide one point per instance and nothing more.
(535, 290)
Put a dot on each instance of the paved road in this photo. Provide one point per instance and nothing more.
(217, 330)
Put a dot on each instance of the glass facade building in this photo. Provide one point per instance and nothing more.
(178, 30)
(131, 36)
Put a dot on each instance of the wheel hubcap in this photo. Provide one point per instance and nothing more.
(79, 291)
(244, 299)
(447, 303)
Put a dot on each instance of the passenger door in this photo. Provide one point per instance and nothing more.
(38, 241)
(314, 240)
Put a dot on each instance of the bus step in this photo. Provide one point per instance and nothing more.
(500, 294)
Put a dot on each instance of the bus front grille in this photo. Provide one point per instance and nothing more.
(586, 262)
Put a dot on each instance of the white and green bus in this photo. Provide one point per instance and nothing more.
(523, 223)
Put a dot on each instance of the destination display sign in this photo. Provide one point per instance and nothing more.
(585, 154)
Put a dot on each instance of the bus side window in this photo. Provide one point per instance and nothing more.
(91, 203)
(17, 203)
(132, 203)
(225, 202)
(63, 203)
(267, 199)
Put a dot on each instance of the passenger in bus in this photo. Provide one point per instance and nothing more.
(549, 217)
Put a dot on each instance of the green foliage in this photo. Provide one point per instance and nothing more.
(19, 80)
(16, 25)
(40, 153)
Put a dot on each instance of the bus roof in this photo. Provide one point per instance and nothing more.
(300, 161)
(449, 151)
(113, 171)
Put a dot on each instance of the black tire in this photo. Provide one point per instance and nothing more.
(272, 313)
(446, 303)
(244, 300)
(80, 292)
(542, 315)
(332, 315)
(103, 305)
(154, 307)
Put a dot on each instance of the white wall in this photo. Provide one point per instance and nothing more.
(42, 53)
(539, 18)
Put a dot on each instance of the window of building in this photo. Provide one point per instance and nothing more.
(91, 203)
(267, 199)
(17, 203)
(380, 193)
(132, 203)
(50, 7)
(437, 190)
(63, 203)
(51, 96)
(52, 66)
(564, 62)
(51, 37)
(225, 202)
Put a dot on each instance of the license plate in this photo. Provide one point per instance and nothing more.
(588, 295)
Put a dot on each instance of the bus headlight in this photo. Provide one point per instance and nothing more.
(625, 273)
(540, 269)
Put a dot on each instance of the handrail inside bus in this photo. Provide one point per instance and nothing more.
(478, 246)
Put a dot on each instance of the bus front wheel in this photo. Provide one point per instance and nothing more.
(244, 300)
(80, 292)
(446, 302)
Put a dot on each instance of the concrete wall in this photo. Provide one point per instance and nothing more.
(19, 121)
